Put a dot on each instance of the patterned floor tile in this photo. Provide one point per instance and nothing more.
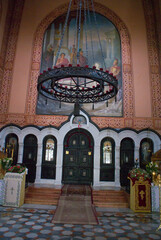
(26, 223)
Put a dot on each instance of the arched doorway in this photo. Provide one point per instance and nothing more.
(126, 161)
(78, 157)
(30, 157)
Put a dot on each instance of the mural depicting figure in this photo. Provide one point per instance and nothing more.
(82, 59)
(116, 71)
(87, 54)
(73, 56)
(62, 61)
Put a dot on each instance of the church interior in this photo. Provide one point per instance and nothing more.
(80, 107)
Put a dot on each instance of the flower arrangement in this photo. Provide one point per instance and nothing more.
(152, 167)
(16, 169)
(6, 163)
(138, 174)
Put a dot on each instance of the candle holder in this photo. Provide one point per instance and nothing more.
(157, 182)
(136, 163)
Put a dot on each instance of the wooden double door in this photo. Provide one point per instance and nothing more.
(78, 158)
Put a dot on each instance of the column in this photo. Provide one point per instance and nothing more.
(38, 165)
(136, 156)
(59, 164)
(20, 153)
(117, 166)
(96, 166)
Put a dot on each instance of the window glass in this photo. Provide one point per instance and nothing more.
(107, 152)
(146, 151)
(49, 153)
(11, 147)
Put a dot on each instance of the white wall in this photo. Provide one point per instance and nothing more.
(97, 136)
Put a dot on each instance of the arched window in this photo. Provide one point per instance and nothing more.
(49, 158)
(11, 147)
(107, 164)
(126, 160)
(30, 156)
(146, 150)
(80, 120)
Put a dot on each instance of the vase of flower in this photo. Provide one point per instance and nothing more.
(140, 196)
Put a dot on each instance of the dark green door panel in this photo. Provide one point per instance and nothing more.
(78, 158)
(126, 161)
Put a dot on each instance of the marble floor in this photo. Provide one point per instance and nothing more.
(35, 222)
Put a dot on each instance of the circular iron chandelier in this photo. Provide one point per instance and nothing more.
(74, 83)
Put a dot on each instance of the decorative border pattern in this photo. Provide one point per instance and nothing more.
(5, 38)
(104, 122)
(153, 51)
(19, 179)
(147, 207)
(10, 55)
(12, 204)
(41, 120)
(126, 61)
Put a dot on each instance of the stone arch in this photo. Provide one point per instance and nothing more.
(128, 96)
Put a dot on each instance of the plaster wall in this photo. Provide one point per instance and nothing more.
(131, 13)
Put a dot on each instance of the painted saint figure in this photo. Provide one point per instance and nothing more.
(62, 60)
(82, 59)
(73, 56)
(115, 69)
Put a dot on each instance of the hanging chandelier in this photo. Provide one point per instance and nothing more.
(76, 82)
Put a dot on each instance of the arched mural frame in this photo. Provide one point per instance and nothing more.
(127, 77)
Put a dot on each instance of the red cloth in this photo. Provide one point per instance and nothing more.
(142, 195)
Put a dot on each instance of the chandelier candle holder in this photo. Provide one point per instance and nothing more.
(83, 84)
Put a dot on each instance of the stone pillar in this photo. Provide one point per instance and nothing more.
(59, 164)
(96, 166)
(38, 164)
(117, 166)
(136, 156)
(20, 153)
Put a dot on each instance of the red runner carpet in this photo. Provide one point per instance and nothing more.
(75, 206)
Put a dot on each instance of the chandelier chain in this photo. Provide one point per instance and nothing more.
(94, 14)
(85, 19)
(64, 28)
(89, 20)
(76, 22)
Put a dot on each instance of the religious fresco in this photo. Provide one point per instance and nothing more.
(104, 52)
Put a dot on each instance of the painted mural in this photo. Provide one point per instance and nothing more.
(99, 47)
